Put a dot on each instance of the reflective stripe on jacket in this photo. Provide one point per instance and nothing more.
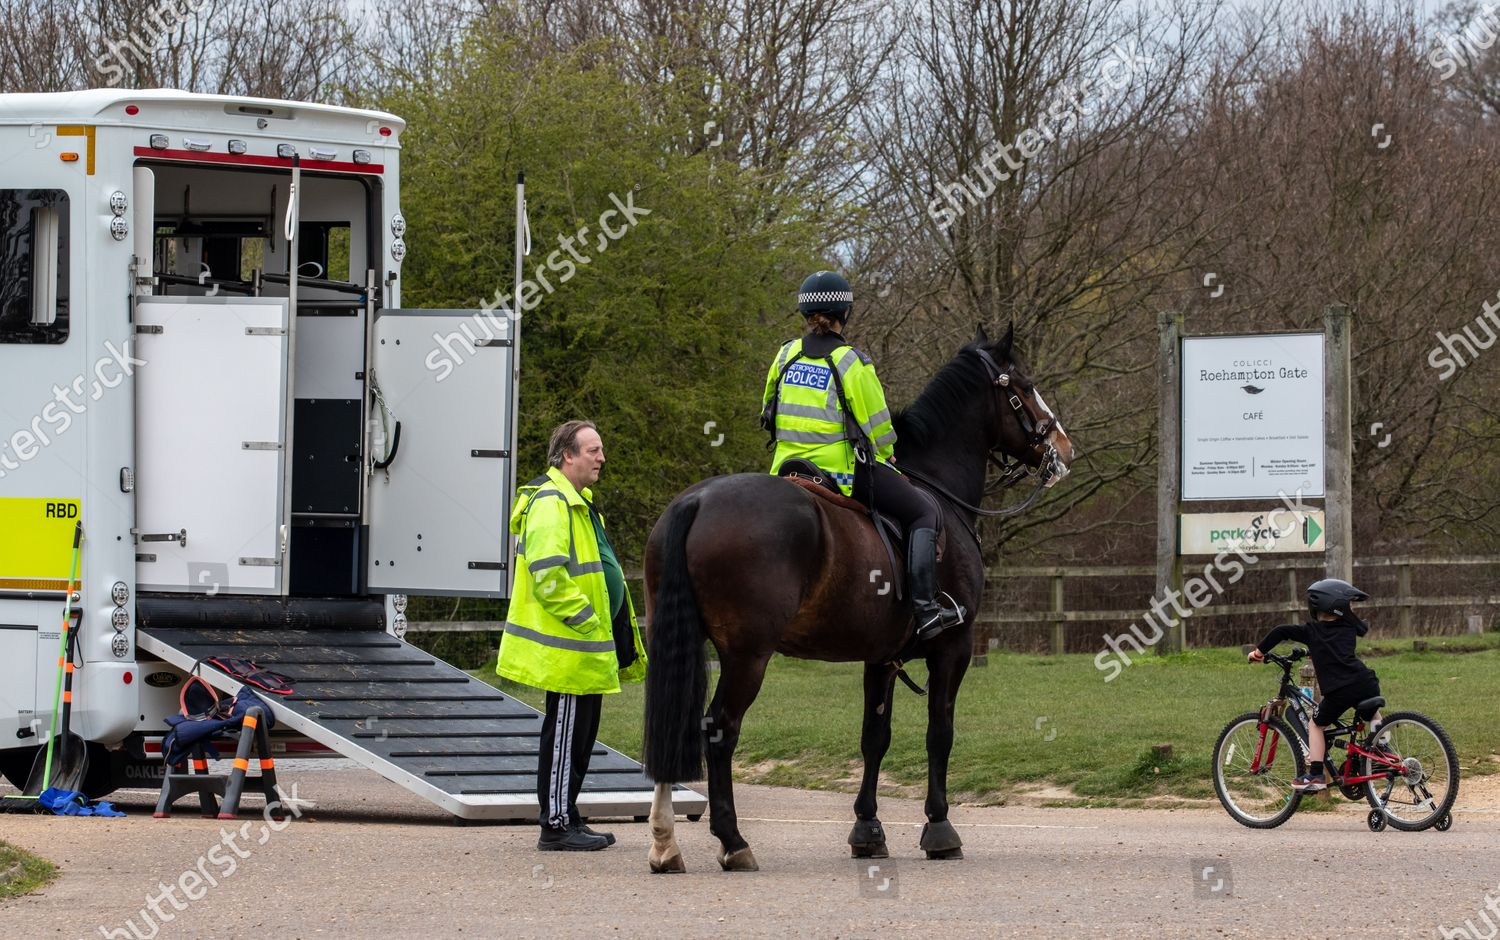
(558, 632)
(810, 419)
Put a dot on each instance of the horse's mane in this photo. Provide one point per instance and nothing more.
(946, 396)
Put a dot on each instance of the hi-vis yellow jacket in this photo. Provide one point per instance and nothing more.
(558, 633)
(810, 421)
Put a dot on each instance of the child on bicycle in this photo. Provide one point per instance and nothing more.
(1346, 681)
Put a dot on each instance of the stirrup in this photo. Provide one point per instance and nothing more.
(955, 606)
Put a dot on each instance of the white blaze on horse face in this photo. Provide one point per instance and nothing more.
(1058, 438)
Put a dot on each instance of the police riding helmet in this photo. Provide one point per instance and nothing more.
(1333, 596)
(825, 292)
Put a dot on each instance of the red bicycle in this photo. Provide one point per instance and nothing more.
(1405, 767)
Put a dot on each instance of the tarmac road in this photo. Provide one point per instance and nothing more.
(371, 860)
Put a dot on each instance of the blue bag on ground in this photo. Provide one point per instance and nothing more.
(71, 803)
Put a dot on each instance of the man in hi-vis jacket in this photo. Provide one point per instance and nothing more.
(571, 628)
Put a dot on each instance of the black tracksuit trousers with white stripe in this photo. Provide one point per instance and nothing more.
(568, 733)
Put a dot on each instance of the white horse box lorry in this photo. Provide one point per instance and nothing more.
(203, 359)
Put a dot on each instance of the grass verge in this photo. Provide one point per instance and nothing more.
(21, 872)
(1028, 723)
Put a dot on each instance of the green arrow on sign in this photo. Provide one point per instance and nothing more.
(1310, 530)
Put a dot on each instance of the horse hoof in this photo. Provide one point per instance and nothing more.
(939, 838)
(742, 860)
(867, 840)
(942, 854)
(668, 866)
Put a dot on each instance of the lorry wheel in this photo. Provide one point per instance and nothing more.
(100, 780)
(15, 764)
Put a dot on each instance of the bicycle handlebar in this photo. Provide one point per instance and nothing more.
(1286, 662)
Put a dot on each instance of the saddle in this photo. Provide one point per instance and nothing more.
(820, 485)
(807, 475)
(815, 481)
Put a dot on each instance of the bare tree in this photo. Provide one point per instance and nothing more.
(1465, 53)
(1031, 155)
(297, 49)
(1354, 184)
(39, 48)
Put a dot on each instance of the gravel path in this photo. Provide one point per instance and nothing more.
(371, 860)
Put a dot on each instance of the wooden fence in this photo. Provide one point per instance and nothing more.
(1058, 614)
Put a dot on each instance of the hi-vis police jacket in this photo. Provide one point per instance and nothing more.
(810, 420)
(558, 633)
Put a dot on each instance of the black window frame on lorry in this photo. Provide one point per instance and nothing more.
(23, 214)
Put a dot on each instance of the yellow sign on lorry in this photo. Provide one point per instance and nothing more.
(37, 551)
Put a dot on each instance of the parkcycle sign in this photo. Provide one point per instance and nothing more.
(1255, 532)
(1252, 416)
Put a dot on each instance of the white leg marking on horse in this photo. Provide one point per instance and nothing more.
(664, 856)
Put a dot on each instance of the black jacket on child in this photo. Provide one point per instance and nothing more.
(1331, 645)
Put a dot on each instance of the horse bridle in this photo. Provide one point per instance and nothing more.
(1037, 424)
(1036, 421)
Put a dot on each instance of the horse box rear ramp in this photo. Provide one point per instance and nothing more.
(414, 719)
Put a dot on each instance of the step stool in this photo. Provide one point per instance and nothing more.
(179, 782)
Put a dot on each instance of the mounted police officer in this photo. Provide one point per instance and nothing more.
(824, 403)
(571, 628)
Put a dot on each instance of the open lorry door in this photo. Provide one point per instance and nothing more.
(211, 444)
(442, 473)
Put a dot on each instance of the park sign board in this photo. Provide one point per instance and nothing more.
(1252, 416)
(1252, 532)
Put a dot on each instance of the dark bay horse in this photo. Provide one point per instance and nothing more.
(756, 565)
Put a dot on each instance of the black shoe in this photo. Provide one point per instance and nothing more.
(933, 619)
(608, 837)
(569, 840)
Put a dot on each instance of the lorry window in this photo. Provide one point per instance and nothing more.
(166, 251)
(34, 247)
(252, 257)
(339, 252)
(327, 244)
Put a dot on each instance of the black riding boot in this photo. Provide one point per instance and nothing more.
(921, 577)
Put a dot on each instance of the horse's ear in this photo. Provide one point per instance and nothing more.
(1003, 347)
(980, 338)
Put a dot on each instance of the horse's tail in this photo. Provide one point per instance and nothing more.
(676, 678)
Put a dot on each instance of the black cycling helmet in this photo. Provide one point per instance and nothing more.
(825, 292)
(1332, 596)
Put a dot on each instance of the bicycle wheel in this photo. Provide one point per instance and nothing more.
(1425, 790)
(1262, 798)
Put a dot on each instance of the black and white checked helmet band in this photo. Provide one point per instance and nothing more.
(826, 297)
